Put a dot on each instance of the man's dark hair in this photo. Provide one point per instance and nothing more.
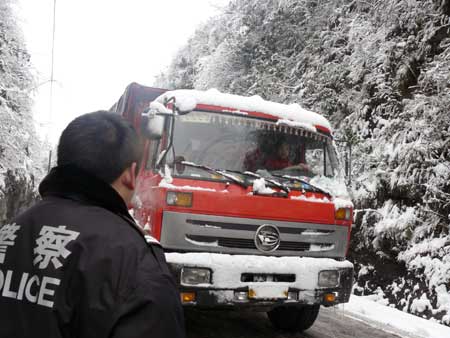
(102, 143)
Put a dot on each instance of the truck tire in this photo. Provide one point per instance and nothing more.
(293, 319)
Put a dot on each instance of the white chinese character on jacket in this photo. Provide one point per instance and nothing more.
(51, 245)
(7, 238)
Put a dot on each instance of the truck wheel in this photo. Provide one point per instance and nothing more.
(294, 318)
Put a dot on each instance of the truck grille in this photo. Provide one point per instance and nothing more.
(254, 227)
(236, 243)
(294, 246)
(233, 235)
(243, 243)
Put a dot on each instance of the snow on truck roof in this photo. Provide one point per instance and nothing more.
(290, 114)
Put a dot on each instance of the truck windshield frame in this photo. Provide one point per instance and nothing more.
(240, 143)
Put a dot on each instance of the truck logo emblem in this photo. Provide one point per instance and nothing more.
(267, 238)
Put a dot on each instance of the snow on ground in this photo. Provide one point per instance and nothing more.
(393, 320)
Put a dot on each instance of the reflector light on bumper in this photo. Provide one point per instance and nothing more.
(195, 276)
(179, 199)
(329, 298)
(328, 279)
(292, 295)
(241, 296)
(343, 214)
(187, 297)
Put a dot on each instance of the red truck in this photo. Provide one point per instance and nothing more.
(247, 199)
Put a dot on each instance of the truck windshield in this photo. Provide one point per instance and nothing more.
(240, 144)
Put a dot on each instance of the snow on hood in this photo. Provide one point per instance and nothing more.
(310, 199)
(259, 187)
(187, 98)
(164, 184)
(167, 180)
(336, 187)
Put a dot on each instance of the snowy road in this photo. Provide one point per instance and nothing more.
(331, 324)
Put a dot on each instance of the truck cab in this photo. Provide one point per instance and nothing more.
(247, 198)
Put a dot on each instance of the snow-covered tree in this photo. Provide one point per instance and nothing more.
(19, 152)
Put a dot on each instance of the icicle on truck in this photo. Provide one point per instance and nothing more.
(247, 199)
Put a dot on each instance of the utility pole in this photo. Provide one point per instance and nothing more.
(52, 62)
(52, 78)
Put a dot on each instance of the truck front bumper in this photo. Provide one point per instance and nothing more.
(260, 281)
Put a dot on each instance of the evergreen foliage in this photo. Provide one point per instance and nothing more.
(19, 151)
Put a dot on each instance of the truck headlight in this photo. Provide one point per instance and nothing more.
(329, 278)
(195, 276)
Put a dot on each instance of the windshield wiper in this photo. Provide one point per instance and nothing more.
(232, 178)
(277, 184)
(298, 179)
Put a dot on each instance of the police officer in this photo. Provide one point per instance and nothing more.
(76, 264)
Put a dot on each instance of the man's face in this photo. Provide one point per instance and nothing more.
(125, 184)
(283, 151)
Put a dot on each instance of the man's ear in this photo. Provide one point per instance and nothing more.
(129, 176)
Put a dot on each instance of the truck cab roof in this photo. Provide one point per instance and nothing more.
(254, 106)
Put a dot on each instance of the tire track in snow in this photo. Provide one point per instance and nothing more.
(331, 323)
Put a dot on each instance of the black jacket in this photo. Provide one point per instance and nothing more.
(76, 265)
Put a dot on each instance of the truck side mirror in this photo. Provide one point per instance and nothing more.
(152, 125)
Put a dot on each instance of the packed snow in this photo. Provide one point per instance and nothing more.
(227, 269)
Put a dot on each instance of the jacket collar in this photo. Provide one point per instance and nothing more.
(71, 182)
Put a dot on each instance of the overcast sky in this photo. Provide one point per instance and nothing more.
(101, 46)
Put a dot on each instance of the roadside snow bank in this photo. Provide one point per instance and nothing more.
(396, 319)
